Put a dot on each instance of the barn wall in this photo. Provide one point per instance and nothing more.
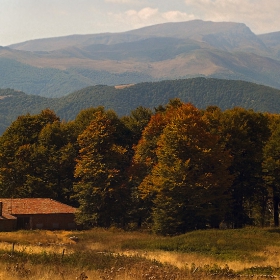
(50, 221)
(7, 225)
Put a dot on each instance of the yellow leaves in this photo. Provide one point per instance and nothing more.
(184, 162)
(205, 150)
(147, 187)
(112, 173)
(118, 149)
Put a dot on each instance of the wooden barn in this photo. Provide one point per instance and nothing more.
(35, 213)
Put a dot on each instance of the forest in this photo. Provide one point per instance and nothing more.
(172, 169)
(199, 91)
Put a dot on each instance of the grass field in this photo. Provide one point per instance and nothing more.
(115, 254)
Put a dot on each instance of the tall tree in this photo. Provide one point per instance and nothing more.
(189, 179)
(145, 158)
(142, 163)
(100, 168)
(18, 153)
(271, 166)
(57, 171)
(244, 133)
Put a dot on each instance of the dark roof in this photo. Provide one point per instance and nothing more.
(17, 206)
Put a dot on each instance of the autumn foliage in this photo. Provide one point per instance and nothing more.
(174, 169)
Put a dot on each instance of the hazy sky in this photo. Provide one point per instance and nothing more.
(22, 20)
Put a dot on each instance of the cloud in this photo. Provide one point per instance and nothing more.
(177, 16)
(260, 15)
(149, 16)
(144, 14)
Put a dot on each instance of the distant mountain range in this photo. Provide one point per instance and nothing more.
(54, 67)
(202, 92)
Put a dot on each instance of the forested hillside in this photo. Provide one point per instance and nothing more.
(172, 169)
(201, 92)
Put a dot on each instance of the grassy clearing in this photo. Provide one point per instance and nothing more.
(115, 254)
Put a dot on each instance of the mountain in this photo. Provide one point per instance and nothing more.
(51, 82)
(54, 67)
(225, 35)
(201, 92)
(272, 41)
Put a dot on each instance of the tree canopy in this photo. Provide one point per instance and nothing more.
(171, 169)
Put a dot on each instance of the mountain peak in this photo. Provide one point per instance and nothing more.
(194, 29)
(164, 51)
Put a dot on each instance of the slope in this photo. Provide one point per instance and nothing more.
(53, 67)
(201, 92)
(231, 36)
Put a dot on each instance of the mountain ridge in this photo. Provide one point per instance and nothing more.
(195, 29)
(158, 52)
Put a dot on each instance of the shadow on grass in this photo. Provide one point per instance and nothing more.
(274, 230)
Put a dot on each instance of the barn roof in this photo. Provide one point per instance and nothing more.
(6, 216)
(21, 206)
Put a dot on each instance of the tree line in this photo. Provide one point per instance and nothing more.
(172, 169)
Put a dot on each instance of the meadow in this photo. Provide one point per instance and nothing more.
(115, 254)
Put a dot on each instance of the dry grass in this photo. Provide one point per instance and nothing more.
(25, 271)
(148, 263)
(137, 272)
(183, 260)
(36, 237)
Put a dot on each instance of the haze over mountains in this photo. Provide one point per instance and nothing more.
(55, 67)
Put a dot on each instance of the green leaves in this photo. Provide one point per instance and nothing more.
(177, 169)
(36, 159)
(189, 170)
(99, 171)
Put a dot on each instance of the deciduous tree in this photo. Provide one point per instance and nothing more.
(100, 168)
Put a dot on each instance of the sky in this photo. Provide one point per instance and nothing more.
(23, 20)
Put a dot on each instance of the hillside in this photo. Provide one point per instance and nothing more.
(54, 67)
(272, 40)
(201, 92)
(51, 82)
